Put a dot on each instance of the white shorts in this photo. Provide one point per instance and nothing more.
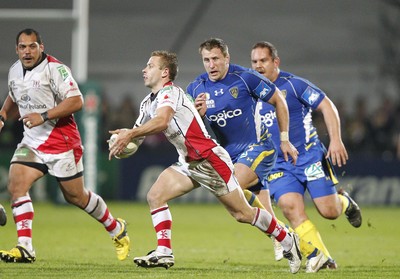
(214, 173)
(63, 165)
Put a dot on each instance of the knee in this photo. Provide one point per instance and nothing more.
(330, 213)
(154, 199)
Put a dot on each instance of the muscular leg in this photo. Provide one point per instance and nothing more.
(238, 207)
(75, 193)
(169, 185)
(330, 207)
(292, 205)
(247, 178)
(21, 178)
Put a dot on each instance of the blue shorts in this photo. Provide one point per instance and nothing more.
(261, 158)
(312, 172)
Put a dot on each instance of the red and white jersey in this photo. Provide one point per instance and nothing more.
(186, 131)
(38, 90)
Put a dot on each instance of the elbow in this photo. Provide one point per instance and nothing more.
(78, 104)
(163, 127)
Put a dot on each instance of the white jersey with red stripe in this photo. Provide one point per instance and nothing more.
(38, 90)
(186, 131)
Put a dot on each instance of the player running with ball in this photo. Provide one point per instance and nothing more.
(202, 162)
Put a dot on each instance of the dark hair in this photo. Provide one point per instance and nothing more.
(215, 43)
(169, 60)
(272, 49)
(29, 31)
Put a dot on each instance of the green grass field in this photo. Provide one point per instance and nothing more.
(207, 243)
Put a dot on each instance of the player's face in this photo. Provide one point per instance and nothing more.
(152, 74)
(29, 50)
(215, 63)
(262, 62)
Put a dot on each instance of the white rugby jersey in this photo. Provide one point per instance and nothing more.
(186, 131)
(39, 90)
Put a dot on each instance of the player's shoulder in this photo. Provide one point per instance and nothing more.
(171, 88)
(52, 59)
(199, 80)
(15, 67)
(287, 76)
(246, 74)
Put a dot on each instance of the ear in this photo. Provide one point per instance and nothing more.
(165, 73)
(41, 46)
(277, 62)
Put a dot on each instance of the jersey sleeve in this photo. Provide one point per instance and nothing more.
(309, 94)
(168, 97)
(259, 86)
(62, 82)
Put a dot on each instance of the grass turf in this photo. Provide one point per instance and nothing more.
(207, 243)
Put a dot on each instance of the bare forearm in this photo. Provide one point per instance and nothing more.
(66, 108)
(154, 126)
(9, 109)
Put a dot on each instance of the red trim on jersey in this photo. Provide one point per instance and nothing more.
(64, 137)
(169, 83)
(223, 169)
(53, 59)
(197, 145)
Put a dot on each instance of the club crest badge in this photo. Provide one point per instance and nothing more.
(234, 92)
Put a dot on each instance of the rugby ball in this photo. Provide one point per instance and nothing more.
(128, 151)
(3, 216)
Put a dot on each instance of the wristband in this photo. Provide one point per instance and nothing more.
(284, 136)
(45, 116)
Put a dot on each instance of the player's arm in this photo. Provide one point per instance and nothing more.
(200, 104)
(67, 107)
(282, 115)
(154, 126)
(336, 151)
(8, 110)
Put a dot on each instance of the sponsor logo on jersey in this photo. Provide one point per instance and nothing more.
(314, 171)
(234, 92)
(262, 89)
(174, 135)
(63, 72)
(268, 118)
(25, 98)
(23, 103)
(219, 92)
(274, 176)
(209, 102)
(222, 117)
(310, 95)
(35, 83)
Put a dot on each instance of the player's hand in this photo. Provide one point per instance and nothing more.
(289, 150)
(31, 120)
(337, 153)
(200, 104)
(119, 144)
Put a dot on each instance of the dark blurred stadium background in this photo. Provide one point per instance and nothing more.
(351, 49)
